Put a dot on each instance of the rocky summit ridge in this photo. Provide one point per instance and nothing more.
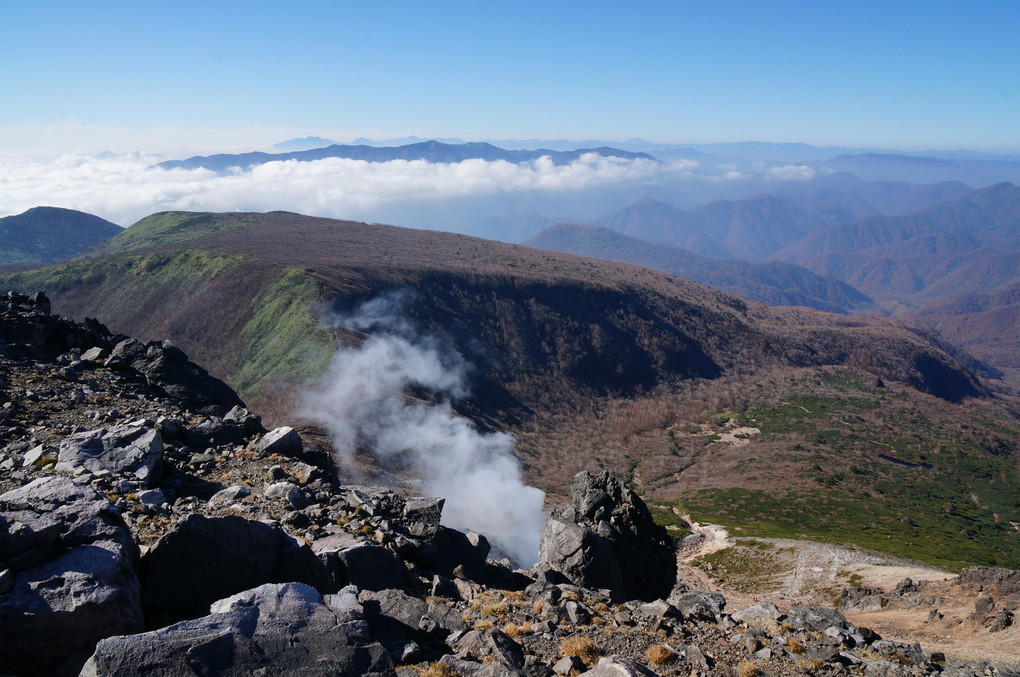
(150, 524)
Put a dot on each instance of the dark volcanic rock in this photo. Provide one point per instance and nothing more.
(203, 559)
(612, 523)
(74, 577)
(585, 558)
(168, 370)
(285, 629)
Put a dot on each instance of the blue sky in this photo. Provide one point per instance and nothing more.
(123, 76)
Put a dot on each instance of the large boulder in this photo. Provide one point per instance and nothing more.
(606, 518)
(72, 564)
(129, 450)
(584, 557)
(282, 629)
(203, 559)
(357, 562)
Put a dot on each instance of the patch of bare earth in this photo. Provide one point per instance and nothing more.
(805, 573)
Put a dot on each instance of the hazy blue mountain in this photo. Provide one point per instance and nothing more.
(921, 169)
(751, 229)
(772, 282)
(47, 234)
(511, 227)
(432, 151)
(305, 143)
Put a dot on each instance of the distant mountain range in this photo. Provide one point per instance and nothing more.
(771, 282)
(431, 151)
(969, 243)
(757, 227)
(47, 234)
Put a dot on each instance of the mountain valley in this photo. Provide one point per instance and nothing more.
(595, 364)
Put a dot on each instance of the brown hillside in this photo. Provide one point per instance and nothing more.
(591, 364)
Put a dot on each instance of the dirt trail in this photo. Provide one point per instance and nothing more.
(814, 574)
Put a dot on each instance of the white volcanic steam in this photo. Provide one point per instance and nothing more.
(362, 401)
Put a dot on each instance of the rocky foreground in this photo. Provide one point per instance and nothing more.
(149, 524)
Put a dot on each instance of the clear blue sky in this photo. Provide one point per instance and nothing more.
(909, 75)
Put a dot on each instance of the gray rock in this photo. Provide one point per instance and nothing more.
(289, 492)
(422, 515)
(451, 553)
(213, 433)
(95, 354)
(394, 617)
(899, 652)
(33, 456)
(883, 669)
(284, 441)
(568, 665)
(447, 616)
(660, 608)
(72, 575)
(285, 629)
(465, 668)
(168, 370)
(250, 422)
(230, 495)
(495, 644)
(618, 666)
(358, 562)
(203, 559)
(152, 497)
(755, 612)
(304, 472)
(135, 451)
(585, 558)
(702, 606)
(819, 619)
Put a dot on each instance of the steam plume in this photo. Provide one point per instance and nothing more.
(362, 400)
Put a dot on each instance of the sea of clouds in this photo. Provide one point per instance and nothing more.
(125, 188)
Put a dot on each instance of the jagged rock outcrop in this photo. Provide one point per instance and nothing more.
(608, 539)
(69, 563)
(29, 326)
(283, 629)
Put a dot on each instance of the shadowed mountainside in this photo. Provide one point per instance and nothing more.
(47, 234)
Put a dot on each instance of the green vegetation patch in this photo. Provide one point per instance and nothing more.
(885, 469)
(113, 285)
(165, 228)
(283, 339)
(749, 566)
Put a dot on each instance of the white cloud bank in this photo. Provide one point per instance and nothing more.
(126, 188)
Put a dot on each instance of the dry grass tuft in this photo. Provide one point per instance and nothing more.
(794, 646)
(660, 654)
(748, 669)
(437, 669)
(582, 647)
